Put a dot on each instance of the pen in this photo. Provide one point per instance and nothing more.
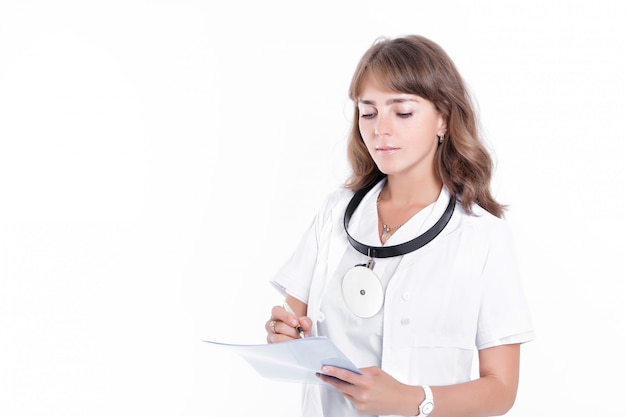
(298, 327)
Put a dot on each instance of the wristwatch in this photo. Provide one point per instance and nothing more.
(428, 405)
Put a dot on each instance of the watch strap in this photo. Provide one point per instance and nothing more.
(428, 405)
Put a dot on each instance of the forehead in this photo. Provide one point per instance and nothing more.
(370, 86)
(369, 83)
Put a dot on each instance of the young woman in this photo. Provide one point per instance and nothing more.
(410, 269)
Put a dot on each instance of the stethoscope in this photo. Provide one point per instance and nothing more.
(361, 287)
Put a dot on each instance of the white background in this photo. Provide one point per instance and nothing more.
(160, 159)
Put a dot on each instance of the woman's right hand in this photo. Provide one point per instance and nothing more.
(282, 324)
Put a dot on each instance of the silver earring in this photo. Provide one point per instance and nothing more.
(441, 137)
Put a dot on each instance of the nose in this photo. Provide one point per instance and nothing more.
(382, 126)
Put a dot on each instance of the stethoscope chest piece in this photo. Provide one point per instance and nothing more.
(362, 291)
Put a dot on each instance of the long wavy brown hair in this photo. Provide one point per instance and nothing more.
(416, 65)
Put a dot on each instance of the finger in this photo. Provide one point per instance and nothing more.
(278, 338)
(283, 328)
(341, 374)
(269, 331)
(334, 381)
(280, 314)
(269, 325)
(270, 328)
(279, 332)
(306, 325)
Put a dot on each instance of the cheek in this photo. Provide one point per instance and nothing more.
(368, 146)
(368, 139)
(362, 128)
(366, 130)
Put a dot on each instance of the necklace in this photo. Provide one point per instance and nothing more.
(387, 231)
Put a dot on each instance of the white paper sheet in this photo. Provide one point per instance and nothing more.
(294, 361)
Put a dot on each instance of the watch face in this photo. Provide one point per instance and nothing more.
(427, 408)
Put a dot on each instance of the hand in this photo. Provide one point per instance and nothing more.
(281, 326)
(373, 392)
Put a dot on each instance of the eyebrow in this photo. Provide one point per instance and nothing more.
(388, 102)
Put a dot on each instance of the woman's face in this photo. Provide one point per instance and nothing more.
(399, 130)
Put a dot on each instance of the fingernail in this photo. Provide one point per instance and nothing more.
(325, 369)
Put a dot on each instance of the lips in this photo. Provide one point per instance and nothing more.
(386, 150)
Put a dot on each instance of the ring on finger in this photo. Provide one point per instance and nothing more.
(272, 324)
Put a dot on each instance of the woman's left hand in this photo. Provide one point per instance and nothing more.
(373, 392)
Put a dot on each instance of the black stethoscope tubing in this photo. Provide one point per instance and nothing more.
(394, 250)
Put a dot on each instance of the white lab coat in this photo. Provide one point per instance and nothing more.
(459, 293)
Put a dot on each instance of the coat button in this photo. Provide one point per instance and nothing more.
(405, 321)
(406, 296)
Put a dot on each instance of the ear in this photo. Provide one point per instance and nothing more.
(442, 125)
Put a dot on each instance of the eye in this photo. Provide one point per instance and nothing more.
(404, 115)
(367, 115)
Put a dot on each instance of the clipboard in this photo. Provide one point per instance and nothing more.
(296, 361)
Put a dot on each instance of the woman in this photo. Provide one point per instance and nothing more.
(410, 269)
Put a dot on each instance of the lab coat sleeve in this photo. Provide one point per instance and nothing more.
(504, 316)
(295, 276)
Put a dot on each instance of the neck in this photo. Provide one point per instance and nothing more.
(408, 192)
